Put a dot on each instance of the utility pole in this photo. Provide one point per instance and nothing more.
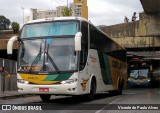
(67, 3)
(23, 14)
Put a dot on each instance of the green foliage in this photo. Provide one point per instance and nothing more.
(15, 27)
(4, 23)
(67, 11)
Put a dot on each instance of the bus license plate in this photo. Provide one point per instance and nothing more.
(43, 89)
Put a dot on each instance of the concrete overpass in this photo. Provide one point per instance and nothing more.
(5, 35)
(142, 37)
(151, 6)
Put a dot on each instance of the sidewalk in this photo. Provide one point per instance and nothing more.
(11, 94)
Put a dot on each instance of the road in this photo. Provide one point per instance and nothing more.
(103, 103)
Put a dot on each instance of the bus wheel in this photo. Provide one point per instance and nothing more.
(120, 88)
(45, 97)
(90, 96)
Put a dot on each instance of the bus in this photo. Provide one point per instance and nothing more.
(155, 74)
(140, 72)
(68, 56)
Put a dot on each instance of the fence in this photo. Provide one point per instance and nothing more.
(8, 84)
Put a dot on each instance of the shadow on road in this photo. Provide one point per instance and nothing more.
(69, 100)
(77, 102)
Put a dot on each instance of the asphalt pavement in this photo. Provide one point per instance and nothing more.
(11, 94)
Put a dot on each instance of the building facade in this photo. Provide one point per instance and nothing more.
(80, 8)
(39, 14)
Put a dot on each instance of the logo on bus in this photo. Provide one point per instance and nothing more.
(84, 84)
(33, 78)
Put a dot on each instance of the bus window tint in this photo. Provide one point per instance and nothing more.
(84, 51)
(84, 30)
(50, 29)
(104, 44)
(93, 38)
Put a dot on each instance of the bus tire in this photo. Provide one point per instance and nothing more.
(113, 92)
(91, 94)
(120, 88)
(45, 97)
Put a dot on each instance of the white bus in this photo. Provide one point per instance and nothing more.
(68, 56)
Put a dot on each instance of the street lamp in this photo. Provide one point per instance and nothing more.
(23, 14)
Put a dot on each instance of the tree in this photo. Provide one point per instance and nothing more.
(67, 11)
(4, 23)
(15, 27)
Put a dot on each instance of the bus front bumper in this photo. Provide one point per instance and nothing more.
(56, 89)
(131, 83)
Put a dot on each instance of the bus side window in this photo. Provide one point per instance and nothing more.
(93, 41)
(84, 51)
(84, 31)
(83, 57)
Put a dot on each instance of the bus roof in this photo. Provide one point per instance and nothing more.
(56, 18)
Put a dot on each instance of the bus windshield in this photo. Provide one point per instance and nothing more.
(48, 47)
(59, 28)
(139, 69)
(134, 74)
(141, 73)
(47, 55)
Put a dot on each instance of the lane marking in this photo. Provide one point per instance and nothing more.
(108, 104)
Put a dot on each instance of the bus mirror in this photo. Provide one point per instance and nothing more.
(10, 44)
(77, 39)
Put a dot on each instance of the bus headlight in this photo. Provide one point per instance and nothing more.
(69, 81)
(147, 80)
(22, 81)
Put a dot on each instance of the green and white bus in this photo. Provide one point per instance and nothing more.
(68, 56)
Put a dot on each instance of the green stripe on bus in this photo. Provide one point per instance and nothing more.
(51, 77)
(58, 77)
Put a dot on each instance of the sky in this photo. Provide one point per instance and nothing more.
(101, 12)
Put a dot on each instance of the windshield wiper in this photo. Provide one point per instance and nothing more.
(52, 62)
(37, 59)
